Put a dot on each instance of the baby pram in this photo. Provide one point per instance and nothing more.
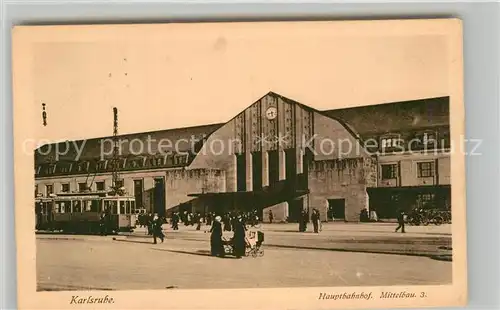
(253, 244)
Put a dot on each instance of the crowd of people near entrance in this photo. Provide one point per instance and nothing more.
(229, 221)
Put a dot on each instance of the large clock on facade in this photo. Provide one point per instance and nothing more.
(271, 113)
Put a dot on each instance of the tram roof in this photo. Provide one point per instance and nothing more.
(91, 195)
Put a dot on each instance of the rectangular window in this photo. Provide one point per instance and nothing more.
(87, 206)
(100, 186)
(94, 206)
(390, 142)
(119, 183)
(82, 187)
(122, 207)
(114, 207)
(65, 188)
(389, 171)
(107, 207)
(49, 189)
(60, 207)
(425, 169)
(77, 206)
(101, 166)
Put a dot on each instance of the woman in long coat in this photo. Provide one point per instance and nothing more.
(239, 238)
(216, 247)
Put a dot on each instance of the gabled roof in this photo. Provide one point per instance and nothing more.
(92, 147)
(359, 121)
(395, 116)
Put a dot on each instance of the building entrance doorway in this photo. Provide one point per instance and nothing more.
(336, 209)
(295, 207)
(159, 197)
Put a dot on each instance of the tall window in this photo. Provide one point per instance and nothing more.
(49, 189)
(274, 167)
(257, 171)
(425, 169)
(389, 171)
(241, 173)
(100, 186)
(65, 188)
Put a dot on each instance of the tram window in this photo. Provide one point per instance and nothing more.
(127, 207)
(114, 207)
(132, 207)
(94, 206)
(77, 206)
(106, 205)
(122, 207)
(55, 208)
(86, 206)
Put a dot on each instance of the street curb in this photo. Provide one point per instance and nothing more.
(433, 255)
(443, 257)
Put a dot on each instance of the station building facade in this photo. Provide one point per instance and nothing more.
(277, 155)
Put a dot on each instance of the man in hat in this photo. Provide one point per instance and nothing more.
(157, 228)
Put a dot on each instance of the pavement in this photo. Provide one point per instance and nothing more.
(343, 254)
(432, 241)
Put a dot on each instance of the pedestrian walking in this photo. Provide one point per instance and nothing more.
(316, 220)
(175, 221)
(102, 225)
(157, 223)
(401, 221)
(200, 221)
(271, 216)
(149, 223)
(209, 219)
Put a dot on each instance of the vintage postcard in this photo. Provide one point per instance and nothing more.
(252, 165)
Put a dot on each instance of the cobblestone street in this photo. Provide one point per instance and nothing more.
(341, 255)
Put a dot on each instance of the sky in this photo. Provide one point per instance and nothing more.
(176, 77)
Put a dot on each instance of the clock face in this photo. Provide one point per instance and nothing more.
(271, 113)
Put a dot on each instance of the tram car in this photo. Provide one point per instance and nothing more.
(43, 212)
(85, 212)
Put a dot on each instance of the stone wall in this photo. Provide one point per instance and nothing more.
(180, 183)
(341, 179)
